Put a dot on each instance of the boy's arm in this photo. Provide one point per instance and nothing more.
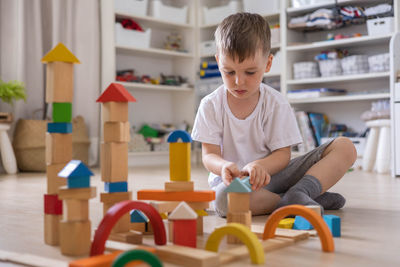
(214, 163)
(260, 171)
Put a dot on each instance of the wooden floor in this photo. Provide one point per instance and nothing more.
(370, 219)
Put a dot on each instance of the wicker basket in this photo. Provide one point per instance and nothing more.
(29, 143)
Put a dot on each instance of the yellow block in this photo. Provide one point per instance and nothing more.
(244, 234)
(60, 53)
(164, 215)
(201, 213)
(179, 161)
(286, 223)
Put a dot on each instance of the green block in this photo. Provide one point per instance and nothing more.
(238, 186)
(62, 112)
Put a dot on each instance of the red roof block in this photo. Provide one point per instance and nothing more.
(116, 92)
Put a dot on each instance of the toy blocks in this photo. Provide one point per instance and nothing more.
(179, 186)
(333, 223)
(51, 229)
(59, 91)
(179, 156)
(114, 156)
(238, 206)
(184, 225)
(286, 223)
(75, 228)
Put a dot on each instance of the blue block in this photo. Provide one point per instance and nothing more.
(75, 168)
(116, 187)
(183, 135)
(301, 224)
(333, 223)
(78, 182)
(138, 217)
(59, 127)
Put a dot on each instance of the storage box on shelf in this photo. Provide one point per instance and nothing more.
(132, 38)
(214, 15)
(131, 7)
(261, 7)
(380, 26)
(208, 48)
(169, 13)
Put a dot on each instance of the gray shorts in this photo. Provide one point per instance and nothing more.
(280, 182)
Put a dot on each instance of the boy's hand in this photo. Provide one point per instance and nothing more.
(259, 177)
(229, 172)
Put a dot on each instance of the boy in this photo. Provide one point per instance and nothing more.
(247, 129)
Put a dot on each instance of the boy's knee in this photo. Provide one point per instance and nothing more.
(348, 148)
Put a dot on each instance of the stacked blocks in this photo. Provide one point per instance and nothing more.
(114, 155)
(238, 206)
(59, 91)
(75, 228)
(184, 225)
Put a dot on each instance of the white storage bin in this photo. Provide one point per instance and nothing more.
(262, 7)
(303, 3)
(379, 63)
(380, 26)
(132, 7)
(215, 15)
(169, 13)
(126, 37)
(275, 36)
(208, 48)
(330, 67)
(355, 64)
(306, 69)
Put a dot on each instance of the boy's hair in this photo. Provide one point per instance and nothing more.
(241, 34)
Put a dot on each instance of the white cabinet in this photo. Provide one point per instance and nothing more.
(395, 102)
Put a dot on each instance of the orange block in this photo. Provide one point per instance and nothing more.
(192, 196)
(106, 260)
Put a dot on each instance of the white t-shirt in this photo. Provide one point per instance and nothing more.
(272, 125)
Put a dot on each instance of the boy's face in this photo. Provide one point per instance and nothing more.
(243, 79)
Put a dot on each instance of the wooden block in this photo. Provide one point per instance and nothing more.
(115, 197)
(59, 127)
(164, 206)
(187, 256)
(27, 259)
(286, 223)
(75, 210)
(292, 234)
(52, 205)
(238, 202)
(333, 223)
(316, 208)
(124, 223)
(104, 260)
(238, 217)
(195, 196)
(149, 229)
(131, 237)
(115, 131)
(59, 82)
(178, 186)
(115, 187)
(199, 225)
(185, 233)
(115, 111)
(114, 162)
(54, 182)
(171, 231)
(58, 148)
(199, 205)
(51, 229)
(119, 246)
(179, 161)
(75, 238)
(62, 112)
(139, 227)
(77, 193)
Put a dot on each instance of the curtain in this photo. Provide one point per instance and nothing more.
(28, 30)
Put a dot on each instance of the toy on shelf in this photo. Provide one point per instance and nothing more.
(59, 92)
(114, 157)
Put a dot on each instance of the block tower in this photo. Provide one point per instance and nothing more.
(75, 228)
(59, 92)
(238, 205)
(114, 154)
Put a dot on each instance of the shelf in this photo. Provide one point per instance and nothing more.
(208, 55)
(349, 42)
(273, 16)
(275, 47)
(296, 11)
(154, 22)
(146, 87)
(343, 78)
(156, 52)
(340, 98)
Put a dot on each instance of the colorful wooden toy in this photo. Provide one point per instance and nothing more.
(179, 156)
(62, 112)
(116, 187)
(184, 225)
(333, 223)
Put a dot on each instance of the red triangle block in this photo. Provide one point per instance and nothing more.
(116, 92)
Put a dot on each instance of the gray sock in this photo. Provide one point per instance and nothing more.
(303, 192)
(331, 201)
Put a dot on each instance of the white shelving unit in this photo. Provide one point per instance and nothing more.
(300, 46)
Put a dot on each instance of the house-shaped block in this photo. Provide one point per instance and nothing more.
(179, 156)
(115, 103)
(238, 196)
(60, 74)
(184, 225)
(77, 174)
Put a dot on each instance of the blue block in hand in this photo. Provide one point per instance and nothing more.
(116, 187)
(78, 182)
(301, 224)
(333, 223)
(59, 127)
